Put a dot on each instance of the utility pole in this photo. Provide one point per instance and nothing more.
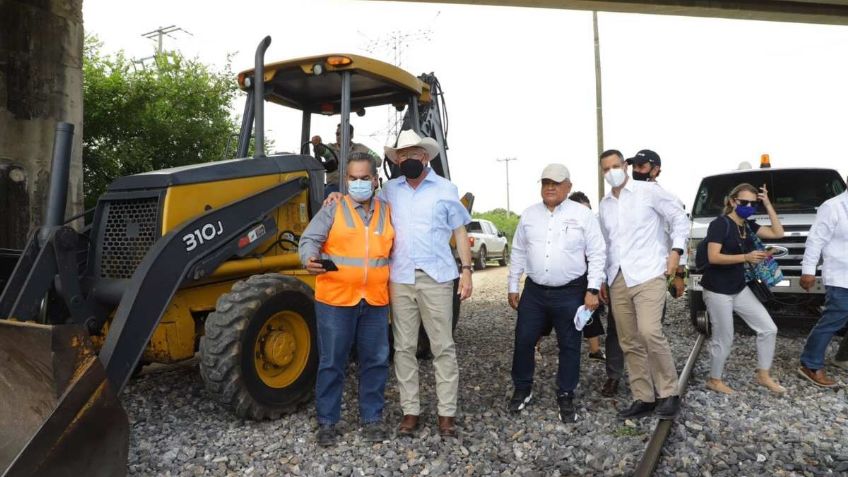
(599, 110)
(161, 32)
(157, 34)
(506, 162)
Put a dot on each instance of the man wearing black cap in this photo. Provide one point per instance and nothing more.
(646, 165)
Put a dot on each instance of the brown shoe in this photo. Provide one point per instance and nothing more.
(408, 425)
(610, 388)
(447, 426)
(816, 377)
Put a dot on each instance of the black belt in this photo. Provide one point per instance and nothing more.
(580, 281)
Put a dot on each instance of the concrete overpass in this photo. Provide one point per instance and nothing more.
(833, 12)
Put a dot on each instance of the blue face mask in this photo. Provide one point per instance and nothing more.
(745, 211)
(360, 190)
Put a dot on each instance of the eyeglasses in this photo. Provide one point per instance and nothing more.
(748, 202)
(410, 155)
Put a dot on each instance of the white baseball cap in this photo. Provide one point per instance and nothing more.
(556, 172)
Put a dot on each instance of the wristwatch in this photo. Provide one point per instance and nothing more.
(467, 267)
(593, 291)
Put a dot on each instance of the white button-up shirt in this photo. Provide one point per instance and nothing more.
(634, 229)
(552, 247)
(829, 236)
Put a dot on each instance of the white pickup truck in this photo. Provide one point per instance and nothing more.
(487, 242)
(796, 195)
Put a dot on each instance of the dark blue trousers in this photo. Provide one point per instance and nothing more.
(538, 308)
(339, 328)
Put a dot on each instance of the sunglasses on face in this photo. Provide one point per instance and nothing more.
(747, 202)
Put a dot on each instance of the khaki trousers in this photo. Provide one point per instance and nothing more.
(429, 303)
(638, 315)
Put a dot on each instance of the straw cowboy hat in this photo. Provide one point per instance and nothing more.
(408, 138)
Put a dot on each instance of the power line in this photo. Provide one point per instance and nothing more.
(157, 35)
(161, 32)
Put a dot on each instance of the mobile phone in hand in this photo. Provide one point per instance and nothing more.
(328, 265)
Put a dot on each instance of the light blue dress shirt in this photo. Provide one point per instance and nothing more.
(424, 220)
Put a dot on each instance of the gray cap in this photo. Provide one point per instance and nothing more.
(556, 172)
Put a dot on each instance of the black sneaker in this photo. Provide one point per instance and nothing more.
(374, 432)
(637, 409)
(598, 356)
(326, 435)
(520, 399)
(566, 407)
(668, 407)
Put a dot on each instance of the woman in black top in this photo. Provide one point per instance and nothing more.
(730, 248)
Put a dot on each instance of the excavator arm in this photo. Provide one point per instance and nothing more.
(55, 389)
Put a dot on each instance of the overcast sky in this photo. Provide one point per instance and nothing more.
(705, 94)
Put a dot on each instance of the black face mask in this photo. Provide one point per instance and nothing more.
(641, 176)
(411, 168)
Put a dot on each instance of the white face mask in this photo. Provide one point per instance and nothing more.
(615, 177)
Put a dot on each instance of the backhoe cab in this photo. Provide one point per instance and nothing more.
(200, 258)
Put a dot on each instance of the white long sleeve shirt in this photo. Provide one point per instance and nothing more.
(552, 247)
(634, 229)
(829, 237)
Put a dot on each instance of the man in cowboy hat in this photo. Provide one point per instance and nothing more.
(425, 212)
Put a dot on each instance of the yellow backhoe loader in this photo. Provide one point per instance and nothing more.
(197, 259)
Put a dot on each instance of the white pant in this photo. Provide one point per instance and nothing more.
(720, 308)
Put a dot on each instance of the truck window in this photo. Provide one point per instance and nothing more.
(474, 226)
(799, 191)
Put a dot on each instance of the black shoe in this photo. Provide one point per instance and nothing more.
(520, 399)
(374, 432)
(326, 435)
(566, 407)
(637, 409)
(598, 356)
(668, 407)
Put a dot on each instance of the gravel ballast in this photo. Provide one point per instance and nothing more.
(178, 429)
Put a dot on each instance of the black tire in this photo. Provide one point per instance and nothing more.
(229, 351)
(480, 261)
(698, 312)
(504, 257)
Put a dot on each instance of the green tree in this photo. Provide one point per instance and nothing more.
(172, 112)
(503, 221)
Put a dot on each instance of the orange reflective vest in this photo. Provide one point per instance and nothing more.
(362, 255)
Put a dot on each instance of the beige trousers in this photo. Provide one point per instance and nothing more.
(638, 314)
(430, 303)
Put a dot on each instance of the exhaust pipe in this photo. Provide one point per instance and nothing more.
(60, 170)
(259, 97)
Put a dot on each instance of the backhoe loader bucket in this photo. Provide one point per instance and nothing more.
(59, 416)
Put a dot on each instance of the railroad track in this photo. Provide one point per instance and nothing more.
(653, 450)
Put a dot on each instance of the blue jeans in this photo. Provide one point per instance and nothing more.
(339, 327)
(835, 316)
(539, 307)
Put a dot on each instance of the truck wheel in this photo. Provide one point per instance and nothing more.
(259, 355)
(480, 261)
(505, 257)
(698, 312)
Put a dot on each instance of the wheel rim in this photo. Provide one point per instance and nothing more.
(282, 349)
